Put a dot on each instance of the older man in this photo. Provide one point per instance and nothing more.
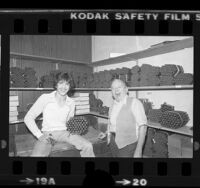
(127, 123)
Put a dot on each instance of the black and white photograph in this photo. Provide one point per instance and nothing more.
(101, 96)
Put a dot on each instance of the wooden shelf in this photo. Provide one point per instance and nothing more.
(173, 87)
(142, 88)
(153, 51)
(20, 121)
(183, 130)
(98, 115)
(30, 89)
(45, 59)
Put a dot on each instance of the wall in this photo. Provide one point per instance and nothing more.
(103, 46)
(75, 48)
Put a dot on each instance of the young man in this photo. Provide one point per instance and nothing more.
(57, 108)
(127, 123)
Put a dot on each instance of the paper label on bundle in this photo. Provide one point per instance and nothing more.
(81, 95)
(83, 107)
(81, 102)
(81, 98)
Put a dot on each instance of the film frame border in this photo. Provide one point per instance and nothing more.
(51, 24)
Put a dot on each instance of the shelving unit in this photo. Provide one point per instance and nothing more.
(183, 130)
(153, 51)
(142, 88)
(135, 56)
(45, 59)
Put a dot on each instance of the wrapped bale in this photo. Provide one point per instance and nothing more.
(53, 73)
(125, 74)
(108, 76)
(166, 107)
(149, 80)
(17, 81)
(16, 71)
(135, 77)
(134, 83)
(17, 77)
(166, 80)
(154, 115)
(143, 82)
(169, 70)
(135, 69)
(147, 69)
(123, 77)
(116, 73)
(174, 119)
(47, 81)
(184, 79)
(77, 125)
(30, 78)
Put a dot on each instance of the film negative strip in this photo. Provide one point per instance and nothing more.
(154, 55)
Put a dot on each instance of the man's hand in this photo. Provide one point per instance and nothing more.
(48, 138)
(101, 135)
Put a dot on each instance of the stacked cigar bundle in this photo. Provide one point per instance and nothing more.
(90, 82)
(17, 77)
(149, 75)
(135, 76)
(77, 125)
(101, 79)
(155, 115)
(166, 107)
(156, 144)
(82, 103)
(23, 77)
(125, 74)
(167, 116)
(47, 81)
(30, 78)
(167, 74)
(174, 119)
(82, 83)
(96, 105)
(13, 104)
(75, 76)
(184, 79)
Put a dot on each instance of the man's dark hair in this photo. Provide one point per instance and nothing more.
(63, 76)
